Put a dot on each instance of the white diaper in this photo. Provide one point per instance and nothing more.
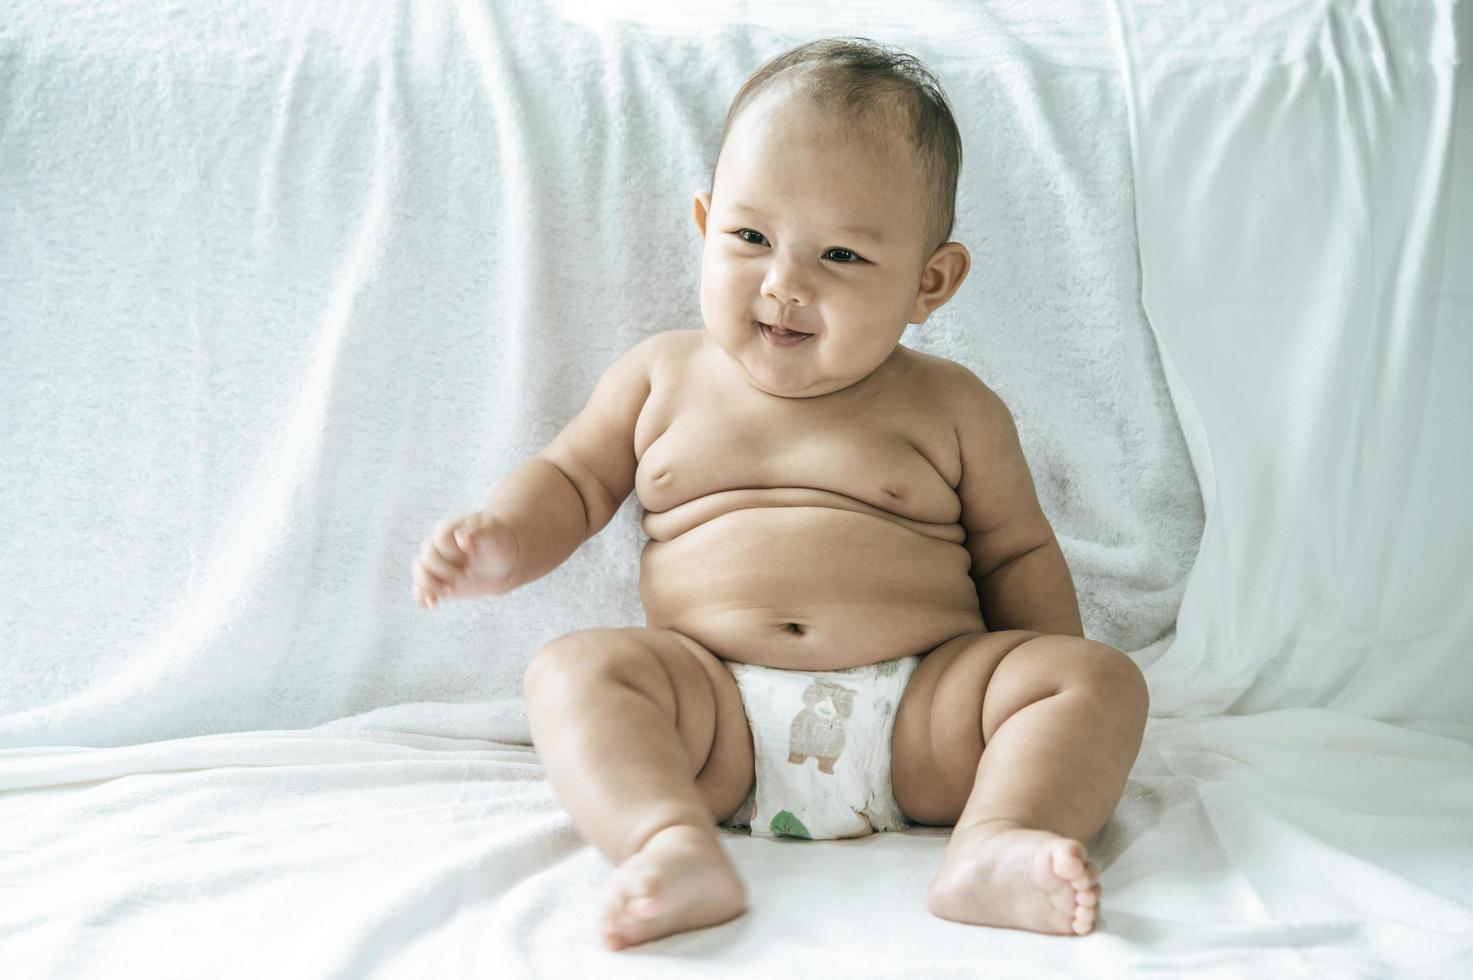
(822, 743)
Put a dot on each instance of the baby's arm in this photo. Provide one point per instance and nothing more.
(549, 505)
(1022, 579)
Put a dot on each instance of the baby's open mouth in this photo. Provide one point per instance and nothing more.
(782, 335)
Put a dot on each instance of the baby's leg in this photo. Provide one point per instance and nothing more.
(646, 744)
(1024, 742)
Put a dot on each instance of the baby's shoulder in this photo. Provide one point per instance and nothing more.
(671, 349)
(955, 387)
(674, 358)
(657, 355)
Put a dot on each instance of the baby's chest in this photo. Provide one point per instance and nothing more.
(896, 464)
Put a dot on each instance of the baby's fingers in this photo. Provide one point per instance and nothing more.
(446, 541)
(469, 529)
(441, 555)
(427, 589)
(437, 566)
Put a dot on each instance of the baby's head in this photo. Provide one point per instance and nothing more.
(829, 213)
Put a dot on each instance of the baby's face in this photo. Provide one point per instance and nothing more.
(813, 226)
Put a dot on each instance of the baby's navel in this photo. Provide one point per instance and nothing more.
(794, 628)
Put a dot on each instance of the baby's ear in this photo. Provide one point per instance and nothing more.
(944, 272)
(703, 208)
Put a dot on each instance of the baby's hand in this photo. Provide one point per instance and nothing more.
(463, 557)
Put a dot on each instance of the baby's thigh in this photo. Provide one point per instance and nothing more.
(688, 684)
(939, 726)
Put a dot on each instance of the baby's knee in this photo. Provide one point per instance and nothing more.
(590, 657)
(1114, 685)
(1047, 664)
(1117, 673)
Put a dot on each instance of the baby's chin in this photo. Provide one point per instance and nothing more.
(795, 370)
(784, 375)
(779, 373)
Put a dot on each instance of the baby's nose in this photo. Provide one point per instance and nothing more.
(786, 284)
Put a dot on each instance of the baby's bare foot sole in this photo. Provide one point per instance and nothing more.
(1016, 878)
(680, 880)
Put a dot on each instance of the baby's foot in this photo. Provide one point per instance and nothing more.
(681, 879)
(1002, 874)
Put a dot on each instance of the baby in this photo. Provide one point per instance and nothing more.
(822, 504)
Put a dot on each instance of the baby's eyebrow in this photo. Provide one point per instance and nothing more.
(863, 231)
(749, 209)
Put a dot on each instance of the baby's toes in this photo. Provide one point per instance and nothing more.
(1086, 910)
(1067, 860)
(612, 922)
(628, 913)
(643, 901)
(1064, 906)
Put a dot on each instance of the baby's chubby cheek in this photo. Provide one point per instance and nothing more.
(726, 317)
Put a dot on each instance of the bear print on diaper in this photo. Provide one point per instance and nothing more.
(818, 730)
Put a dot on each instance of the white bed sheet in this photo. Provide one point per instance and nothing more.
(284, 284)
(1285, 844)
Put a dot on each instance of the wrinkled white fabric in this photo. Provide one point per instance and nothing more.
(1304, 191)
(1289, 844)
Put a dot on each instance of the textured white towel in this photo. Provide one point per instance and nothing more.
(285, 286)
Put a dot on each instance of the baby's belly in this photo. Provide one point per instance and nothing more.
(809, 588)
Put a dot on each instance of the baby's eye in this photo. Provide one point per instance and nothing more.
(751, 237)
(842, 255)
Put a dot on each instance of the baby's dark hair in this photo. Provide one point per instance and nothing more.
(874, 84)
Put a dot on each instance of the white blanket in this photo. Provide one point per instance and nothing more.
(281, 285)
(285, 289)
(1291, 844)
